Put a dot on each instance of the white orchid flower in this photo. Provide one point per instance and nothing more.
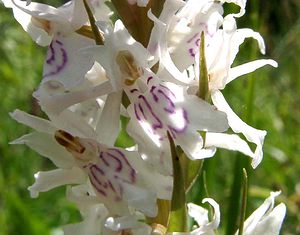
(266, 219)
(163, 107)
(71, 171)
(200, 215)
(176, 39)
(56, 28)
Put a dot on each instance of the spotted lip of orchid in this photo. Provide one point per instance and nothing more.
(113, 173)
(160, 107)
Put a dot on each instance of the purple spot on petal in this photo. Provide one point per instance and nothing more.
(192, 53)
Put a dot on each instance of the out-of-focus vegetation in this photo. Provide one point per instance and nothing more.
(276, 108)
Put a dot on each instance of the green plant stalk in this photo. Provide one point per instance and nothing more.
(99, 39)
(178, 216)
(244, 202)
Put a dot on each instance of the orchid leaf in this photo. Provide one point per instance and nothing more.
(178, 215)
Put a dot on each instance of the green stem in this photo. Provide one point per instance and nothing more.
(235, 195)
(244, 203)
(99, 39)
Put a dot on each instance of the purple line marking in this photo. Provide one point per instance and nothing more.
(159, 124)
(117, 160)
(184, 128)
(97, 188)
(167, 88)
(95, 176)
(149, 79)
(171, 105)
(192, 38)
(59, 67)
(132, 170)
(134, 90)
(52, 55)
(59, 42)
(97, 168)
(142, 111)
(103, 159)
(122, 155)
(136, 113)
(111, 186)
(153, 94)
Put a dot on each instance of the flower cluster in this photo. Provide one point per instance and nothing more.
(163, 71)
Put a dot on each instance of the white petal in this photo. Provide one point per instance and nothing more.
(199, 213)
(64, 62)
(160, 46)
(45, 145)
(57, 103)
(45, 181)
(108, 126)
(80, 195)
(24, 17)
(92, 225)
(238, 126)
(192, 145)
(201, 216)
(39, 10)
(141, 199)
(78, 15)
(72, 123)
(271, 224)
(265, 215)
(228, 141)
(248, 68)
(39, 124)
(169, 9)
(120, 223)
(205, 117)
(223, 48)
(160, 184)
(217, 215)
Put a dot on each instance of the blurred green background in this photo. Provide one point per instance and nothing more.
(275, 107)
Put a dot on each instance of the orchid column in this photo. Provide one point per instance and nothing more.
(160, 67)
